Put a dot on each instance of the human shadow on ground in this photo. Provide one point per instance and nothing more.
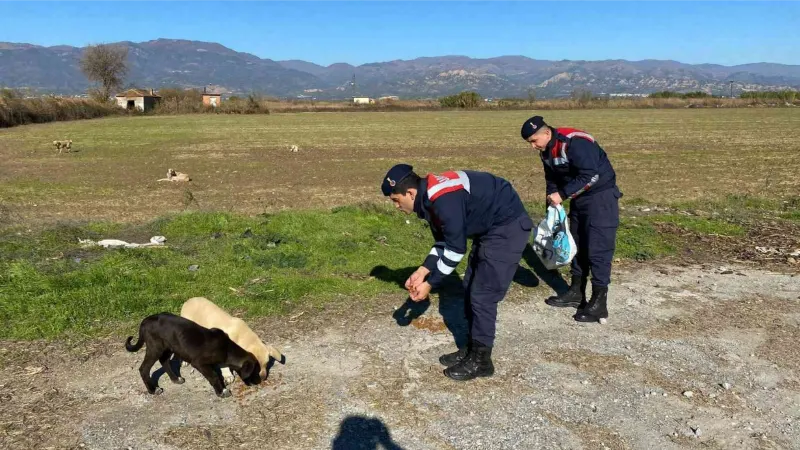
(451, 293)
(551, 277)
(363, 433)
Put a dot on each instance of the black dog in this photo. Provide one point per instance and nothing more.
(205, 349)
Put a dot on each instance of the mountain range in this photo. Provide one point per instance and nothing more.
(182, 63)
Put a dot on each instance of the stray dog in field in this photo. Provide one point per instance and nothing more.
(172, 175)
(63, 145)
(205, 349)
(202, 311)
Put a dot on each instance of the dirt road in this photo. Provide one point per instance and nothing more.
(364, 377)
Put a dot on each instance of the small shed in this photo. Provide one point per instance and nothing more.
(212, 99)
(363, 100)
(140, 99)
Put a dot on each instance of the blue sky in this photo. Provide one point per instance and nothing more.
(360, 32)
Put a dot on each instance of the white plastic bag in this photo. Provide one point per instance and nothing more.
(553, 242)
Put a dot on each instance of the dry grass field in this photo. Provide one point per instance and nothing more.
(243, 163)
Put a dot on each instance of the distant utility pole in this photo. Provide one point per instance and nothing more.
(731, 82)
(353, 85)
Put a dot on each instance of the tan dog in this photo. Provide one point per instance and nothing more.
(172, 175)
(63, 145)
(205, 313)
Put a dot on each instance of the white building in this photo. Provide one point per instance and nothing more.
(138, 99)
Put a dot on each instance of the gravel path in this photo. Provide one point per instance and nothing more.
(691, 358)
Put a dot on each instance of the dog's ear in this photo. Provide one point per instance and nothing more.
(250, 372)
(247, 370)
(218, 333)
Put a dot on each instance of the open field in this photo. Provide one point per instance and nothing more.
(243, 164)
(318, 275)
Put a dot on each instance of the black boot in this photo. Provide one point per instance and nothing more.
(596, 308)
(451, 359)
(478, 363)
(573, 297)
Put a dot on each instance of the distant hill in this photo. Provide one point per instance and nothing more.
(168, 62)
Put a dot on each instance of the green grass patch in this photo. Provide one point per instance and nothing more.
(700, 225)
(792, 215)
(50, 285)
(639, 240)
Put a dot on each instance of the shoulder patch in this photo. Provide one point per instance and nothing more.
(558, 153)
(580, 134)
(452, 181)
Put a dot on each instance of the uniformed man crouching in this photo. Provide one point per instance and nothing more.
(459, 205)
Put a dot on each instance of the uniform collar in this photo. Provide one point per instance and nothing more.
(548, 149)
(553, 139)
(422, 190)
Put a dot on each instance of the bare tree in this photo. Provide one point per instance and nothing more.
(583, 96)
(107, 65)
(531, 95)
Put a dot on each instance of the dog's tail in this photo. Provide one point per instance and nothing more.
(135, 347)
(276, 355)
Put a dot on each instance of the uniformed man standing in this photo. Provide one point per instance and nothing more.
(577, 168)
(460, 205)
